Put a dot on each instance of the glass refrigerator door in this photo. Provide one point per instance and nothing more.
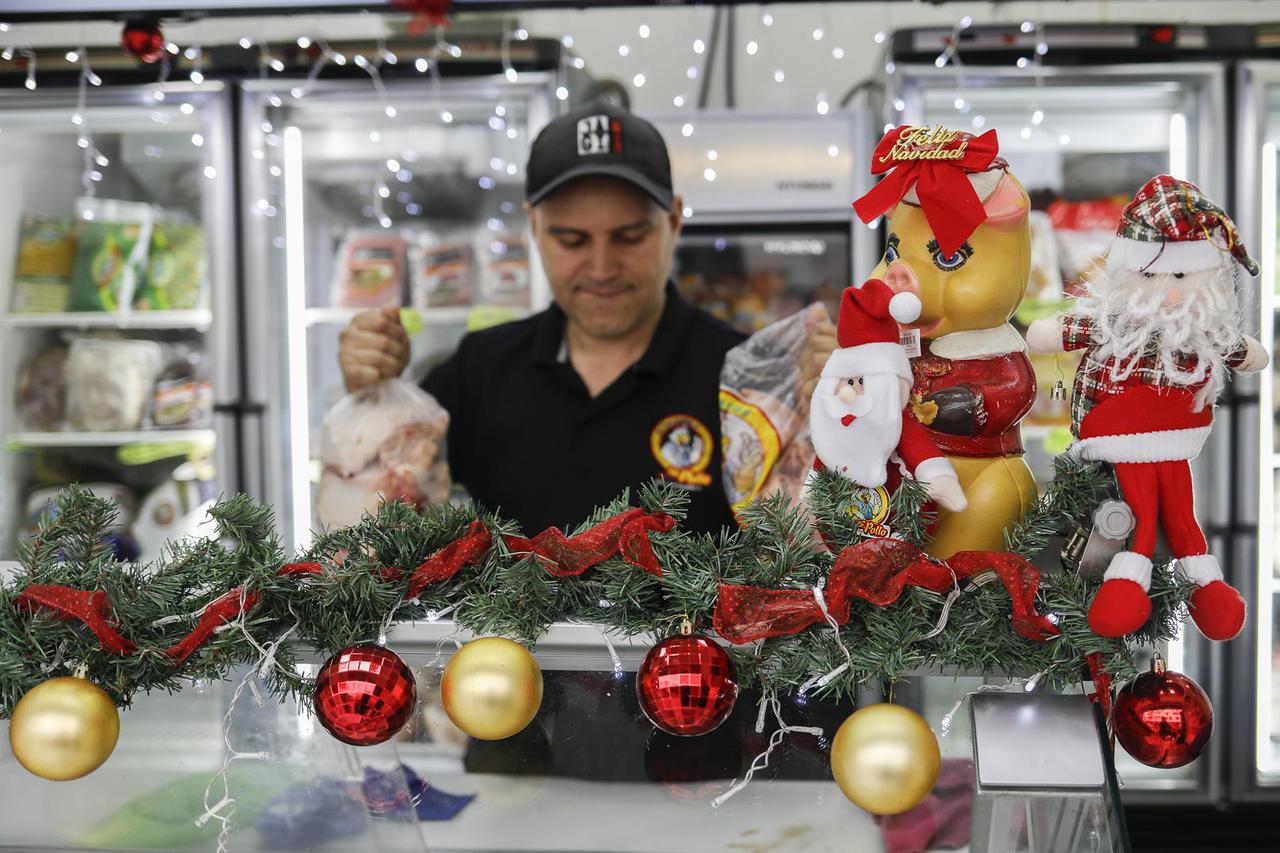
(1082, 142)
(409, 200)
(115, 280)
(751, 276)
(1258, 663)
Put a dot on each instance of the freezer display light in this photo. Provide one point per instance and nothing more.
(795, 247)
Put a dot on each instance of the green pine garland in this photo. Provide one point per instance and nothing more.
(513, 596)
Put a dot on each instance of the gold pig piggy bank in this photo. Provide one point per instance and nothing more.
(959, 238)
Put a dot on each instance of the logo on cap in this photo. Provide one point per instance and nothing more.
(599, 135)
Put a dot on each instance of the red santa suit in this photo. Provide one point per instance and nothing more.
(971, 389)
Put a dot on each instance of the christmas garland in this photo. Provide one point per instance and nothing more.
(209, 605)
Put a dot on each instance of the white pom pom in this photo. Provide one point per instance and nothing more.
(905, 307)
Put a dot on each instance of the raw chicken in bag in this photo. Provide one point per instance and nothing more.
(385, 442)
(764, 420)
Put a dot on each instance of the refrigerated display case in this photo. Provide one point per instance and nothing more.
(355, 200)
(1082, 141)
(1255, 660)
(769, 225)
(117, 303)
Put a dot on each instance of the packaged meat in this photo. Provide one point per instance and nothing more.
(42, 390)
(176, 269)
(183, 394)
(763, 418)
(506, 275)
(370, 272)
(110, 254)
(110, 382)
(46, 259)
(385, 442)
(444, 274)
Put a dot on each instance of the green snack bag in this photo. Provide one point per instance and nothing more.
(113, 243)
(175, 276)
(46, 257)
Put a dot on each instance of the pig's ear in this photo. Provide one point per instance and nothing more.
(1007, 205)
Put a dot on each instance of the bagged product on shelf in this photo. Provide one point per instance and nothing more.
(41, 397)
(183, 395)
(46, 259)
(444, 273)
(111, 253)
(176, 269)
(110, 382)
(763, 417)
(370, 272)
(1045, 280)
(118, 537)
(1084, 231)
(385, 442)
(506, 272)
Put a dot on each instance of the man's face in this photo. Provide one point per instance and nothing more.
(606, 248)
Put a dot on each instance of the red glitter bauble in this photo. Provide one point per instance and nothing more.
(1163, 719)
(143, 40)
(364, 695)
(686, 685)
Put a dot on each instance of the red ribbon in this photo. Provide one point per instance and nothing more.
(877, 571)
(626, 533)
(1101, 685)
(446, 562)
(218, 612)
(91, 608)
(951, 207)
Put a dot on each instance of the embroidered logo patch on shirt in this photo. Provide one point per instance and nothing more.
(682, 445)
(599, 135)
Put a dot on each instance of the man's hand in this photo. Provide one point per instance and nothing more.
(372, 348)
(820, 341)
(946, 490)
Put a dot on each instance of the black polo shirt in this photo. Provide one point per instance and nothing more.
(529, 442)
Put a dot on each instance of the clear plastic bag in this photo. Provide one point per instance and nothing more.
(385, 442)
(110, 382)
(763, 417)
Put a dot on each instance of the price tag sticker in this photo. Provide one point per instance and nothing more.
(910, 340)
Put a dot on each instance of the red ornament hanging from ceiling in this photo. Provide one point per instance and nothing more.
(143, 40)
(425, 14)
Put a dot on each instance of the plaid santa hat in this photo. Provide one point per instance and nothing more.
(867, 331)
(1170, 226)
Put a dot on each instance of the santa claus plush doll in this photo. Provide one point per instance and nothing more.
(1160, 326)
(858, 418)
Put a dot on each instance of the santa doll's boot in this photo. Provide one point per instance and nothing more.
(1121, 605)
(1216, 607)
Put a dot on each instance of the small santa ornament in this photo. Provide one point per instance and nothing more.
(1160, 326)
(858, 418)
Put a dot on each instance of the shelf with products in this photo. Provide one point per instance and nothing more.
(198, 319)
(25, 440)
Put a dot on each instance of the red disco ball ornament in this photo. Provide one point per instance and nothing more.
(143, 40)
(686, 685)
(1163, 719)
(364, 695)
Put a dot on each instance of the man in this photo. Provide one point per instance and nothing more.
(554, 415)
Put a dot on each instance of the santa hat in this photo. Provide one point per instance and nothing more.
(867, 331)
(1171, 227)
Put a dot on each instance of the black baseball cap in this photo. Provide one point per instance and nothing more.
(599, 139)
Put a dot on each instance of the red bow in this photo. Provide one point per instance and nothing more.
(626, 533)
(877, 571)
(218, 612)
(936, 161)
(91, 608)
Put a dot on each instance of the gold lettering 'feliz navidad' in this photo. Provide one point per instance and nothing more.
(926, 143)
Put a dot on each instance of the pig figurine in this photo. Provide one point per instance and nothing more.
(959, 238)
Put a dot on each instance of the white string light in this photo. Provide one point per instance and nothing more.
(508, 69)
(30, 56)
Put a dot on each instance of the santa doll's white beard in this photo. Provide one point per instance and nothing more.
(861, 450)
